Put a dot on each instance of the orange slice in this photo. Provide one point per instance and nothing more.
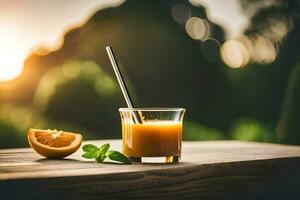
(53, 143)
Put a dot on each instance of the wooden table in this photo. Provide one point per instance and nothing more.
(209, 170)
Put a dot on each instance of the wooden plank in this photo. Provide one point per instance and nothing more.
(208, 170)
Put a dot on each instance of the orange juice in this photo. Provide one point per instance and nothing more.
(152, 139)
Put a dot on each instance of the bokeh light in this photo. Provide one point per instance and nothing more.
(234, 54)
(210, 49)
(264, 50)
(180, 13)
(197, 28)
(279, 29)
(238, 52)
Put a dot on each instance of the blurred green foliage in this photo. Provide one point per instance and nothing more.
(289, 125)
(74, 88)
(15, 120)
(196, 131)
(251, 130)
(11, 136)
(83, 94)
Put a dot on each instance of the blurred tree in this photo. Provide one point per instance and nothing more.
(15, 120)
(289, 127)
(10, 136)
(196, 131)
(251, 130)
(81, 93)
(279, 21)
(164, 66)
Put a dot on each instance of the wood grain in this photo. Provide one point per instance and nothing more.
(209, 170)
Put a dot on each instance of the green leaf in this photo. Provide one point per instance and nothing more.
(101, 158)
(90, 155)
(103, 149)
(100, 154)
(117, 156)
(89, 148)
(90, 151)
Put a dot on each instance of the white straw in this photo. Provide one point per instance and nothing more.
(122, 83)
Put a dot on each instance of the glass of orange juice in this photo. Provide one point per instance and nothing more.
(158, 134)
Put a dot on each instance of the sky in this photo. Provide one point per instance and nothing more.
(43, 22)
(226, 13)
(27, 24)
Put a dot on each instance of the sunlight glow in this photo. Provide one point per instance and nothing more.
(12, 55)
(31, 27)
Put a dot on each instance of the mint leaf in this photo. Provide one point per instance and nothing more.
(101, 158)
(89, 148)
(90, 151)
(103, 149)
(90, 155)
(100, 154)
(117, 156)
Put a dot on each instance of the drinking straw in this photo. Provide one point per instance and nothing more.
(136, 116)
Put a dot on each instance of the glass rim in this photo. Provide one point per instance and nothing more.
(151, 109)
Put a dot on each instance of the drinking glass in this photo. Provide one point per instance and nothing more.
(156, 134)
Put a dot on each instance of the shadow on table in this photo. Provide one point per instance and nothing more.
(53, 160)
(277, 188)
(107, 162)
